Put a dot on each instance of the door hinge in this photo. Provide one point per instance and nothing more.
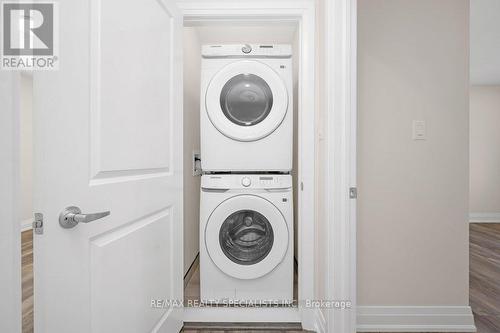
(353, 193)
(38, 224)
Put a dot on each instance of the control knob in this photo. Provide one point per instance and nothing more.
(246, 49)
(245, 181)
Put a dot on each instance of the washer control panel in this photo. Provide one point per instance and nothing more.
(237, 181)
(269, 181)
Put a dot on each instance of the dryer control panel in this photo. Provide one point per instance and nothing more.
(242, 181)
(246, 50)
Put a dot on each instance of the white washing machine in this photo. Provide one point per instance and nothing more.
(246, 108)
(246, 238)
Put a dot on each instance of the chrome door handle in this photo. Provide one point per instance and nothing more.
(72, 215)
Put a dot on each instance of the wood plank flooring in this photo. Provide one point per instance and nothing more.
(484, 284)
(240, 331)
(241, 327)
(27, 280)
(484, 276)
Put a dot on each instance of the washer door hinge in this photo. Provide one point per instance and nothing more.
(353, 193)
(38, 224)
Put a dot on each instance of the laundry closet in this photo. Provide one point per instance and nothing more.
(240, 164)
(117, 225)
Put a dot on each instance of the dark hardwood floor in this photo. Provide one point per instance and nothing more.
(484, 283)
(484, 276)
(241, 328)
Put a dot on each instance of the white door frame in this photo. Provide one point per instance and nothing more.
(339, 39)
(10, 208)
(340, 81)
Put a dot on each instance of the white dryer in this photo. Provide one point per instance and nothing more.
(246, 238)
(246, 108)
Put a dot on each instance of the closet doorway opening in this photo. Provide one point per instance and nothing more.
(204, 24)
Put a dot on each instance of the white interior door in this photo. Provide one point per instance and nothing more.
(108, 137)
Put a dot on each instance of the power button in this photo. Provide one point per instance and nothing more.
(245, 181)
(246, 48)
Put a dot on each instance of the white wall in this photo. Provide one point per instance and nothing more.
(26, 143)
(484, 42)
(234, 33)
(192, 63)
(10, 237)
(413, 195)
(485, 150)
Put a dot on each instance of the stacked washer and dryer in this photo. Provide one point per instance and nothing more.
(246, 203)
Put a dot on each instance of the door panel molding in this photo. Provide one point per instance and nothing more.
(141, 249)
(108, 130)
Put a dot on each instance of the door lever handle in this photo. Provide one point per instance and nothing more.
(72, 215)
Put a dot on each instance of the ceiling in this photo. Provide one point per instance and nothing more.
(485, 42)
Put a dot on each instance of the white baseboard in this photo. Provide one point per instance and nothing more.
(319, 321)
(241, 315)
(26, 224)
(415, 319)
(484, 218)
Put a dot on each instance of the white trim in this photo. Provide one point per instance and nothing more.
(301, 13)
(10, 235)
(484, 218)
(340, 167)
(26, 224)
(241, 315)
(415, 319)
(320, 321)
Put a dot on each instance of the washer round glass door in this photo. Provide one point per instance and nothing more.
(246, 236)
(246, 100)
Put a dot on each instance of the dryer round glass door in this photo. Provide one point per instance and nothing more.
(246, 236)
(246, 100)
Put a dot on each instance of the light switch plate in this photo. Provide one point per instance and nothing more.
(419, 130)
